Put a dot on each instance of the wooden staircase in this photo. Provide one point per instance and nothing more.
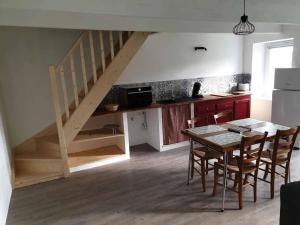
(38, 163)
(78, 85)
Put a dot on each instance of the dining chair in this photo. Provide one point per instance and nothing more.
(223, 117)
(244, 165)
(279, 155)
(200, 156)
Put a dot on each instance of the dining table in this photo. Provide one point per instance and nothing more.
(226, 138)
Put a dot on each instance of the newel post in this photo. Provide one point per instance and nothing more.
(59, 123)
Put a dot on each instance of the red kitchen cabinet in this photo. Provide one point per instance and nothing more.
(205, 111)
(175, 116)
(174, 121)
(224, 106)
(242, 107)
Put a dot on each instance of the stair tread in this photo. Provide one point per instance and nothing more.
(93, 155)
(96, 134)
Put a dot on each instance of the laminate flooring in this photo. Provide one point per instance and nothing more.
(148, 189)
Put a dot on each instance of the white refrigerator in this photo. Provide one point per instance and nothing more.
(286, 98)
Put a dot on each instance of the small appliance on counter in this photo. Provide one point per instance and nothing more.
(196, 89)
(244, 87)
(130, 97)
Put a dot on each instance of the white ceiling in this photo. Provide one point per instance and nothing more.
(151, 15)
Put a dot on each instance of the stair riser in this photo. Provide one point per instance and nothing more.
(38, 165)
(78, 146)
(51, 149)
(22, 182)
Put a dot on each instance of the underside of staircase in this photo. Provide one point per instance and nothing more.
(78, 85)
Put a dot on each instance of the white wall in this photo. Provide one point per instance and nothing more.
(24, 81)
(171, 56)
(294, 31)
(137, 133)
(257, 38)
(5, 169)
(151, 134)
(260, 108)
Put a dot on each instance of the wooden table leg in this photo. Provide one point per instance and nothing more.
(190, 160)
(224, 180)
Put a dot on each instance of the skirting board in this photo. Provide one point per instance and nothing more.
(174, 146)
(99, 163)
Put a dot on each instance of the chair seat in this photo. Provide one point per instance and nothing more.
(203, 152)
(266, 157)
(233, 166)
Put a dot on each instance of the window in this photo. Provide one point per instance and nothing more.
(266, 58)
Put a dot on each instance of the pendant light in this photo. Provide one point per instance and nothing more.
(244, 27)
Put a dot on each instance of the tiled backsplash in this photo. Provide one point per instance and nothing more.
(183, 88)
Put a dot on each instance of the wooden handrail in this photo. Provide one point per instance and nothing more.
(70, 51)
(69, 61)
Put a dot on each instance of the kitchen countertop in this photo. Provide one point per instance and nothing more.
(182, 101)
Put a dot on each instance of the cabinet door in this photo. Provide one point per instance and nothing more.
(242, 108)
(205, 111)
(174, 120)
(225, 106)
(183, 115)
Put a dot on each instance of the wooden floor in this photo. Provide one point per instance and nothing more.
(147, 189)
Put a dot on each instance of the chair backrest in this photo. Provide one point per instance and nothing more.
(249, 152)
(198, 121)
(223, 117)
(191, 123)
(284, 143)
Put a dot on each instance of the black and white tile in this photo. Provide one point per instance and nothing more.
(182, 88)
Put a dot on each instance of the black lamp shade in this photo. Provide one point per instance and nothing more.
(244, 27)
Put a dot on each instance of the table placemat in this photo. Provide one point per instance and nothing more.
(245, 122)
(225, 139)
(206, 129)
(271, 128)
